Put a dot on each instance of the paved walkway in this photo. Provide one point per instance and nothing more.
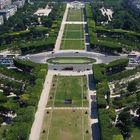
(73, 39)
(37, 124)
(61, 31)
(93, 118)
(67, 108)
(70, 73)
(74, 22)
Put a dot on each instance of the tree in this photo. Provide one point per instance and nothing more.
(132, 86)
(3, 98)
(24, 99)
(124, 123)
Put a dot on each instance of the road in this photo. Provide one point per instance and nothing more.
(99, 57)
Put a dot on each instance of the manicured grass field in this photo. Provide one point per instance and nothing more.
(68, 87)
(73, 35)
(65, 125)
(72, 44)
(71, 60)
(73, 31)
(73, 27)
(75, 15)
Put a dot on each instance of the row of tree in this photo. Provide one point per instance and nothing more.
(25, 103)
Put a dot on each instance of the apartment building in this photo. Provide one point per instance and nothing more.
(1, 20)
(19, 3)
(4, 3)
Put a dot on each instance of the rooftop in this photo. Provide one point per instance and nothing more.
(43, 12)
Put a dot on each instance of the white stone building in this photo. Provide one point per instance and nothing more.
(43, 12)
(134, 59)
(5, 13)
(1, 20)
(76, 5)
(19, 3)
(1, 4)
(4, 3)
(12, 9)
(7, 2)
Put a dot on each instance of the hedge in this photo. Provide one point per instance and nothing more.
(106, 116)
(123, 74)
(116, 66)
(108, 131)
(99, 72)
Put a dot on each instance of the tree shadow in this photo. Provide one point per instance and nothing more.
(95, 131)
(91, 82)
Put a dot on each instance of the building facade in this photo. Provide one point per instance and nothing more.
(9, 8)
(19, 3)
(4, 3)
(12, 9)
(5, 13)
(1, 20)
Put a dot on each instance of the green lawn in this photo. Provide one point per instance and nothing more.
(68, 87)
(72, 44)
(73, 31)
(71, 60)
(65, 125)
(135, 134)
(73, 35)
(74, 27)
(75, 15)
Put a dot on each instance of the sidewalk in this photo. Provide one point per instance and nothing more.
(61, 31)
(37, 124)
(93, 118)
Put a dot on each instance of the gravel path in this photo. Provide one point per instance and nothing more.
(61, 31)
(37, 124)
(67, 108)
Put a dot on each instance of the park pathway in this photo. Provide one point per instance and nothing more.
(93, 118)
(75, 22)
(67, 108)
(61, 31)
(37, 124)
